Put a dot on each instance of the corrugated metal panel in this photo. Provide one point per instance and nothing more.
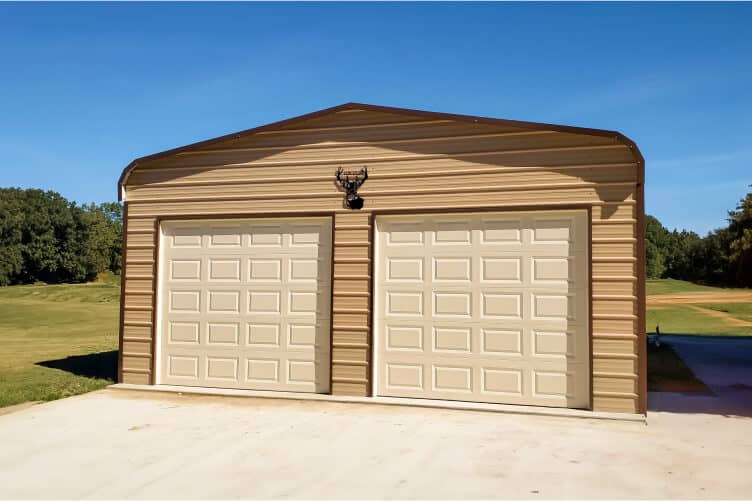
(457, 148)
(131, 376)
(351, 320)
(414, 164)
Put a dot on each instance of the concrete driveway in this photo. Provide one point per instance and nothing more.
(724, 364)
(123, 444)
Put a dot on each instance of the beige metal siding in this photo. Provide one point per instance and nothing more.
(351, 304)
(415, 164)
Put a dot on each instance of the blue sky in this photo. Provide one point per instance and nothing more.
(85, 88)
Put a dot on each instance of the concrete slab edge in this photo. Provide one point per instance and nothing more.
(18, 407)
(437, 404)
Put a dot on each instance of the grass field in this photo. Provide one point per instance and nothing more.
(671, 286)
(742, 311)
(686, 308)
(57, 340)
(61, 340)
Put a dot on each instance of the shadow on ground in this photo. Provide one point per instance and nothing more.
(722, 364)
(102, 365)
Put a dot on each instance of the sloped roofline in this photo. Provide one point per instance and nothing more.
(385, 109)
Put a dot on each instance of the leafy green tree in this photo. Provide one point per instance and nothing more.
(740, 227)
(11, 234)
(45, 237)
(656, 237)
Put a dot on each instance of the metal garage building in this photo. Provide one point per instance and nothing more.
(491, 261)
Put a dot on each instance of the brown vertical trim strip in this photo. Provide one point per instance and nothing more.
(154, 290)
(331, 307)
(370, 356)
(121, 326)
(590, 300)
(642, 391)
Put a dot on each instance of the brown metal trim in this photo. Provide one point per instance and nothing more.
(386, 109)
(370, 351)
(331, 307)
(155, 290)
(484, 208)
(590, 301)
(121, 327)
(642, 387)
(240, 215)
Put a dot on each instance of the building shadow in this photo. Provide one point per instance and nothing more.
(724, 366)
(102, 365)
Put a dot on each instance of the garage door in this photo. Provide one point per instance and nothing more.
(245, 304)
(483, 307)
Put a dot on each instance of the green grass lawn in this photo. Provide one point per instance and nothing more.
(671, 286)
(681, 319)
(57, 340)
(742, 311)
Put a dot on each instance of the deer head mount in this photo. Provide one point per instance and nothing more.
(350, 181)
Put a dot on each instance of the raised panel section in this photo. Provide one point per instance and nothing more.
(264, 302)
(185, 301)
(451, 339)
(182, 366)
(451, 269)
(262, 370)
(222, 368)
(501, 231)
(301, 335)
(223, 301)
(224, 269)
(225, 237)
(501, 341)
(263, 334)
(502, 305)
(405, 303)
(183, 332)
(264, 269)
(223, 333)
(452, 378)
(501, 269)
(404, 338)
(445, 303)
(404, 376)
(185, 269)
(502, 381)
(554, 343)
(405, 269)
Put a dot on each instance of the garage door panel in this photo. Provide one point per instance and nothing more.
(483, 307)
(246, 304)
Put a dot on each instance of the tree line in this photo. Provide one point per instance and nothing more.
(723, 257)
(44, 237)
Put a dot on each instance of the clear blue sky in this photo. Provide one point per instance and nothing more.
(85, 88)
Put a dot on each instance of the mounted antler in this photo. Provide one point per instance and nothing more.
(350, 181)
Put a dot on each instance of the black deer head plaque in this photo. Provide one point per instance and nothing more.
(350, 181)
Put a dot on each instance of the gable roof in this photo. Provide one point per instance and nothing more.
(384, 109)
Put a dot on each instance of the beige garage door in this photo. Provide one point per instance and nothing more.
(484, 307)
(245, 304)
